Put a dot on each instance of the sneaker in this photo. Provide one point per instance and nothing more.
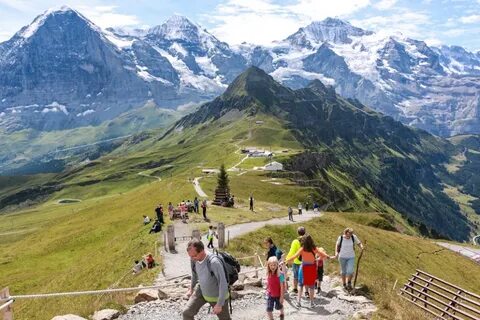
(307, 294)
(345, 286)
(282, 317)
(319, 290)
(295, 290)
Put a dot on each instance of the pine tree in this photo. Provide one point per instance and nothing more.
(222, 179)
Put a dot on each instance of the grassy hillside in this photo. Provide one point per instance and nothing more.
(390, 256)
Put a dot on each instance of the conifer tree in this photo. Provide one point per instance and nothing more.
(222, 179)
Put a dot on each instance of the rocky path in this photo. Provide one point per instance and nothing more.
(250, 304)
(249, 301)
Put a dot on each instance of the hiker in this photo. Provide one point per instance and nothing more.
(170, 210)
(294, 247)
(183, 211)
(149, 261)
(146, 220)
(204, 209)
(290, 214)
(208, 285)
(306, 206)
(251, 202)
(345, 251)
(156, 227)
(320, 264)
(210, 235)
(138, 266)
(299, 208)
(275, 287)
(159, 213)
(273, 251)
(195, 205)
(315, 207)
(308, 271)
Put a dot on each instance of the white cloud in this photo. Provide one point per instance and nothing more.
(433, 42)
(262, 21)
(105, 16)
(408, 23)
(475, 18)
(385, 4)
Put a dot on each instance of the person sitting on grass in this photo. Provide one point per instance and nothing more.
(156, 227)
(150, 261)
(138, 266)
(146, 220)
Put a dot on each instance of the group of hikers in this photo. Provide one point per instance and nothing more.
(182, 209)
(210, 281)
(316, 209)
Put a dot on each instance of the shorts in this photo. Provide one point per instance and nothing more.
(295, 269)
(346, 265)
(320, 273)
(273, 303)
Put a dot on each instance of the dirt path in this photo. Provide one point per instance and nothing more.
(471, 253)
(148, 176)
(198, 188)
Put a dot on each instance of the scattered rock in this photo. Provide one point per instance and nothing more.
(68, 317)
(162, 295)
(365, 313)
(253, 282)
(106, 314)
(237, 286)
(146, 295)
(353, 299)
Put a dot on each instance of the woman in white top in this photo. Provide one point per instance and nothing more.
(345, 251)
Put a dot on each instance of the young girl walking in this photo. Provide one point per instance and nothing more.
(275, 288)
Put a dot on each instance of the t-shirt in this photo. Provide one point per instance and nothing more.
(293, 250)
(347, 250)
(274, 285)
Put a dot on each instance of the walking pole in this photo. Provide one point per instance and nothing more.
(358, 265)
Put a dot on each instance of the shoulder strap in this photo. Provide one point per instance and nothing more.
(353, 240)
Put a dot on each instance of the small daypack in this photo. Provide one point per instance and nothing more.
(341, 240)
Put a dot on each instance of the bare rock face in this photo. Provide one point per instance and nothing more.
(68, 317)
(106, 314)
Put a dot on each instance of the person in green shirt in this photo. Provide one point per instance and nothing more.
(294, 247)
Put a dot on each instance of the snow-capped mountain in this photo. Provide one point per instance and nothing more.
(62, 71)
(436, 89)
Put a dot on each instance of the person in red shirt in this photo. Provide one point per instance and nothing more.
(275, 288)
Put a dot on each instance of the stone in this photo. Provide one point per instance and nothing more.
(253, 282)
(366, 313)
(146, 295)
(335, 292)
(68, 317)
(238, 286)
(106, 314)
(162, 295)
(353, 299)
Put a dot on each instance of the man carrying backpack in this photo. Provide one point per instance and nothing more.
(273, 251)
(209, 282)
(345, 251)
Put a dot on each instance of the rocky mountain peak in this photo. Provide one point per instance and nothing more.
(330, 29)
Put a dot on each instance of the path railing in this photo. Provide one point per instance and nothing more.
(440, 298)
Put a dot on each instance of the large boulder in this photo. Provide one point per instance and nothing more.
(68, 317)
(146, 295)
(106, 314)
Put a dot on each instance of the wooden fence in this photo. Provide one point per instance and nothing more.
(440, 298)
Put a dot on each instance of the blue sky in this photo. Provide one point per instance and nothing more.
(450, 22)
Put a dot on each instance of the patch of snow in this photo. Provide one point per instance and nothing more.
(207, 66)
(189, 79)
(99, 94)
(120, 43)
(2, 114)
(282, 74)
(142, 73)
(19, 108)
(57, 106)
(362, 54)
(179, 49)
(88, 96)
(412, 50)
(84, 113)
(3, 100)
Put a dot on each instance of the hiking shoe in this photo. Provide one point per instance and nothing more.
(345, 286)
(307, 294)
(282, 317)
(312, 304)
(295, 290)
(349, 286)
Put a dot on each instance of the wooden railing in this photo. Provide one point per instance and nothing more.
(440, 298)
